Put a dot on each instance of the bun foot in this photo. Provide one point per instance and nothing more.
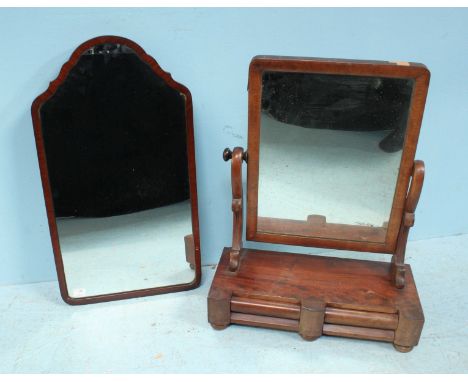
(219, 327)
(309, 338)
(403, 349)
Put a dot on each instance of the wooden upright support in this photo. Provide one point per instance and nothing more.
(237, 156)
(412, 199)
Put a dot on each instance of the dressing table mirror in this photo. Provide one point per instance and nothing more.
(330, 164)
(115, 142)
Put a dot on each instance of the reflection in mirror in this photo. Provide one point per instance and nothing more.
(115, 142)
(330, 152)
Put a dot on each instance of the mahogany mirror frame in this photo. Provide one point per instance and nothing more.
(415, 71)
(35, 111)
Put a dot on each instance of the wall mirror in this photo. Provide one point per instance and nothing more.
(115, 142)
(327, 153)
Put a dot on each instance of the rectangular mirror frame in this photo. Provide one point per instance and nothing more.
(259, 64)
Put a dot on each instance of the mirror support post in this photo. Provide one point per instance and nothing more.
(412, 199)
(237, 156)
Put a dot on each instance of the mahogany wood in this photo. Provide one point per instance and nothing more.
(237, 157)
(358, 332)
(353, 240)
(410, 324)
(357, 296)
(311, 318)
(403, 349)
(398, 259)
(261, 307)
(316, 295)
(219, 308)
(265, 322)
(332, 315)
(35, 112)
(361, 318)
(190, 250)
(309, 228)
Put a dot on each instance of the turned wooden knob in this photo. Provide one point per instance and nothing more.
(245, 157)
(227, 154)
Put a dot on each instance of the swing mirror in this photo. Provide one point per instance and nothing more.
(331, 149)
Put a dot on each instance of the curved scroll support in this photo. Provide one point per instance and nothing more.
(412, 199)
(237, 156)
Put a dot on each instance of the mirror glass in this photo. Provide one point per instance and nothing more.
(115, 142)
(330, 152)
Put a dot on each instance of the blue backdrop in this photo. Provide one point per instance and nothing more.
(209, 51)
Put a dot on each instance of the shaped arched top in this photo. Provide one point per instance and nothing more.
(112, 110)
(109, 39)
(114, 136)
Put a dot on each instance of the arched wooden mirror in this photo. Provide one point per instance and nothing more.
(114, 136)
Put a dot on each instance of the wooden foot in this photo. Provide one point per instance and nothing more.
(410, 324)
(219, 308)
(309, 338)
(403, 349)
(311, 318)
(219, 327)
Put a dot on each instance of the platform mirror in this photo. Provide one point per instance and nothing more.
(330, 164)
(115, 142)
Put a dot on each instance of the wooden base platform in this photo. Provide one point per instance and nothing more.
(315, 295)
